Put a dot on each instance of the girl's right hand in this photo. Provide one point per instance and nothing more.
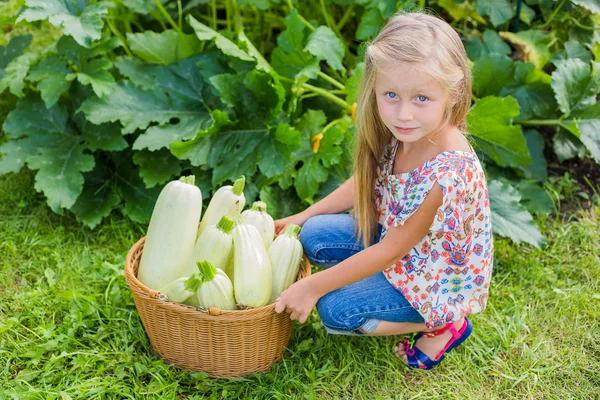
(296, 219)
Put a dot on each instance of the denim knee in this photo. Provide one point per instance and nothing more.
(331, 313)
(329, 239)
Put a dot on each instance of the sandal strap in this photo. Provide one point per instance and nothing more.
(448, 327)
(418, 355)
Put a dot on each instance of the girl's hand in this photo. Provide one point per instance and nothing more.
(296, 219)
(298, 300)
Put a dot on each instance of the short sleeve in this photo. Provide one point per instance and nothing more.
(449, 215)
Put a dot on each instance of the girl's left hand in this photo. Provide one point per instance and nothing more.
(298, 300)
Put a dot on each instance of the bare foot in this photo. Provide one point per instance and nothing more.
(431, 346)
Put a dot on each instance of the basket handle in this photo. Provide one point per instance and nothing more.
(154, 294)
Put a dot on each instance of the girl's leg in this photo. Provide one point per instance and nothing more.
(359, 308)
(329, 239)
(368, 307)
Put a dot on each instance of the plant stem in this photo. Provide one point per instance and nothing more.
(327, 17)
(331, 80)
(331, 24)
(228, 12)
(158, 18)
(539, 122)
(304, 21)
(332, 123)
(545, 24)
(167, 16)
(180, 15)
(589, 28)
(118, 34)
(327, 95)
(345, 17)
(214, 14)
(237, 18)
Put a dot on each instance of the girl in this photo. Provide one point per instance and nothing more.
(416, 253)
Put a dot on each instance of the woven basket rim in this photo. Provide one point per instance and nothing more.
(142, 290)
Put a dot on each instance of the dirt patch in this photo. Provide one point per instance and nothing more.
(585, 174)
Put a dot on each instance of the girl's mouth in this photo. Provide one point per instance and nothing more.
(404, 130)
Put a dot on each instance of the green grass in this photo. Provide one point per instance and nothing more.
(69, 327)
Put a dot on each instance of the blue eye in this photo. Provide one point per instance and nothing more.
(392, 95)
(422, 98)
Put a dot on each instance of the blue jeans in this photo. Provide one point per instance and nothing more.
(358, 308)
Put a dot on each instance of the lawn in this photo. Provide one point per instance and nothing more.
(69, 328)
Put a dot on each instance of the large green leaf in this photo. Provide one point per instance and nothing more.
(142, 6)
(588, 125)
(229, 48)
(280, 203)
(310, 176)
(49, 145)
(96, 74)
(370, 24)
(490, 122)
(97, 198)
(499, 11)
(139, 200)
(276, 151)
(509, 218)
(15, 73)
(539, 167)
(330, 149)
(535, 198)
(575, 85)
(79, 19)
(289, 57)
(31, 117)
(179, 117)
(235, 153)
(533, 43)
(531, 87)
(13, 49)
(492, 44)
(263, 65)
(197, 149)
(567, 145)
(353, 83)
(156, 167)
(491, 72)
(460, 11)
(250, 94)
(325, 45)
(591, 5)
(60, 168)
(51, 74)
(167, 47)
(135, 108)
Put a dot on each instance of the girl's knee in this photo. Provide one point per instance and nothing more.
(331, 312)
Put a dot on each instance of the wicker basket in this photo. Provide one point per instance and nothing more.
(222, 343)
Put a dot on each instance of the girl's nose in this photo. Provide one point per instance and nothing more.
(404, 114)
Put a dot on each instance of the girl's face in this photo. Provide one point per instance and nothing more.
(411, 103)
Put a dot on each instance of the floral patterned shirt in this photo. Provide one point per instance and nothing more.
(447, 274)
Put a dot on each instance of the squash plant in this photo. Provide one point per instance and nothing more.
(133, 94)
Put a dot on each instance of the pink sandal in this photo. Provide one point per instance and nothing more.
(414, 355)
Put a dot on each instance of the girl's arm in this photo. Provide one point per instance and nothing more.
(300, 298)
(396, 244)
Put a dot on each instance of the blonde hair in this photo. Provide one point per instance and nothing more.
(430, 45)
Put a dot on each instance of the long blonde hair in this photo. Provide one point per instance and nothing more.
(430, 45)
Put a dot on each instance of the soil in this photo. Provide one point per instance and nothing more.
(585, 171)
